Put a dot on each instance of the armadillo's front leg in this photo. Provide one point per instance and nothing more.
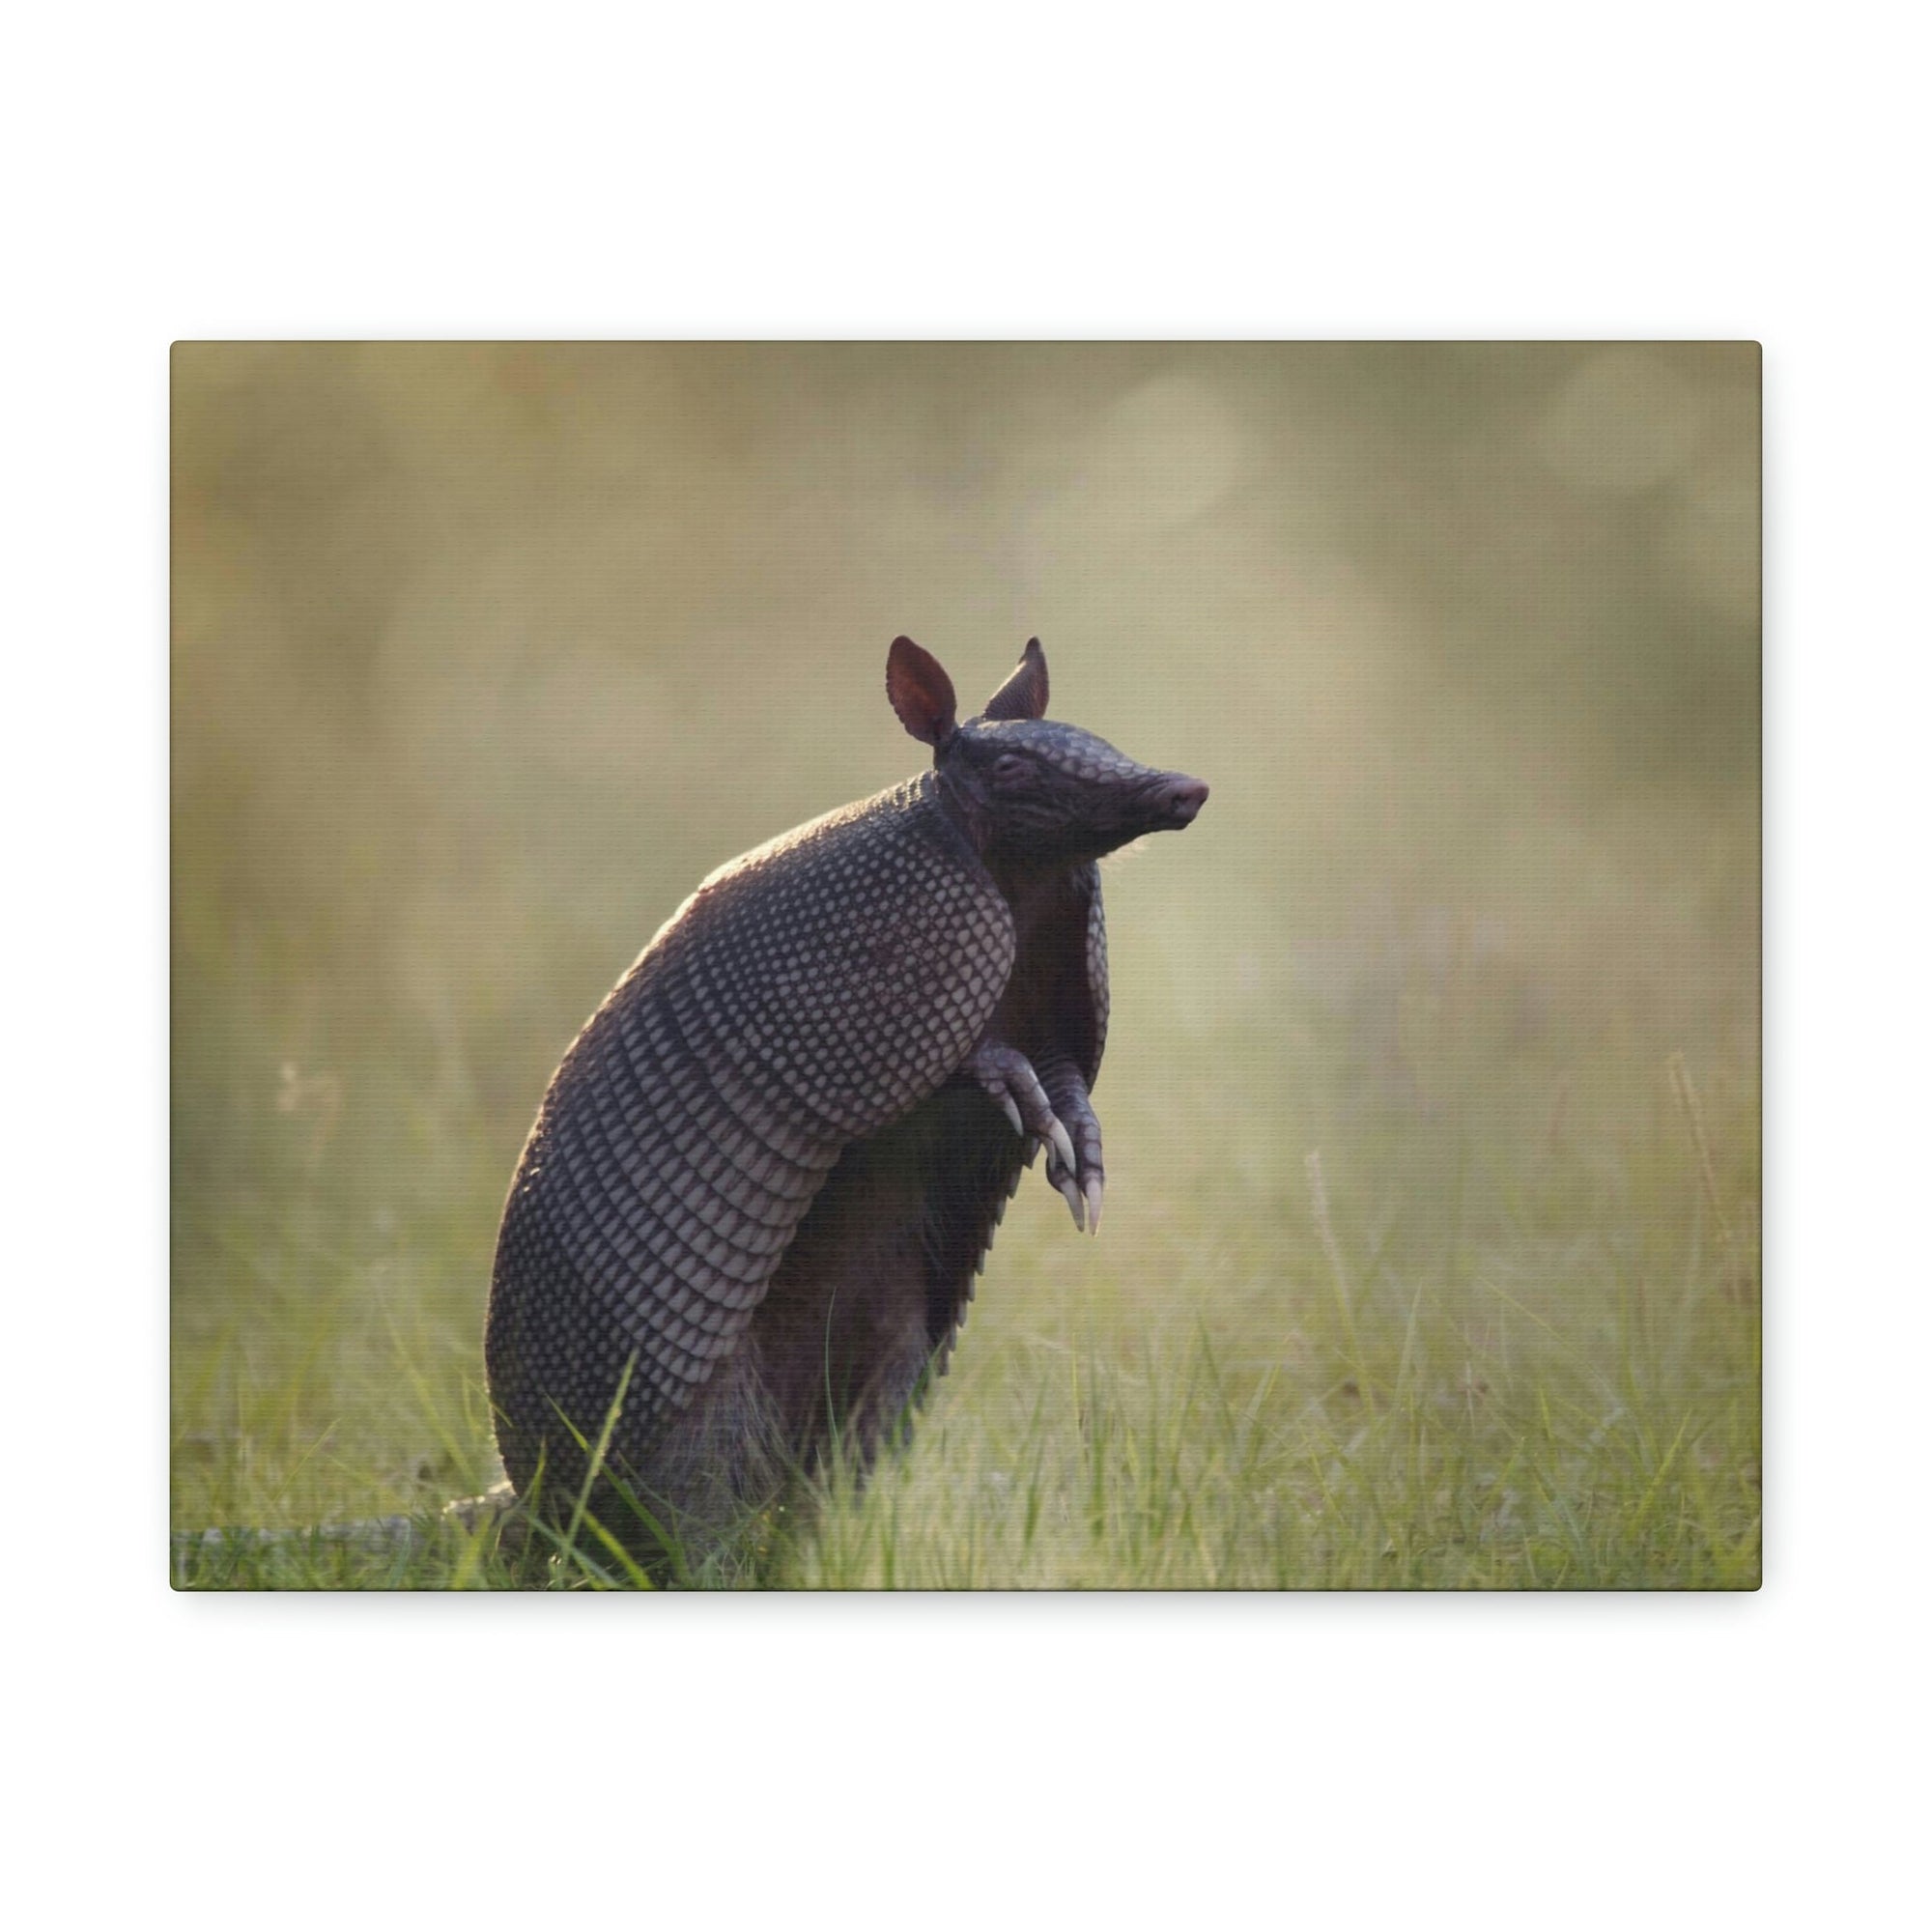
(1046, 1104)
(1008, 1075)
(1082, 1180)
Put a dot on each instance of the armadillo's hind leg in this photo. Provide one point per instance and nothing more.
(1082, 1180)
(1008, 1075)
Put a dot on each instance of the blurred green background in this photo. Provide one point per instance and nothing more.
(485, 654)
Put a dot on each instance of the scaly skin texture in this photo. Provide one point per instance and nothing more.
(763, 1176)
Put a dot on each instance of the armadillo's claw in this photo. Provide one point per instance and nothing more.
(1072, 1137)
(1075, 1206)
(1009, 1079)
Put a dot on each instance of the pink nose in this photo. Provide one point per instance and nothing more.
(1184, 799)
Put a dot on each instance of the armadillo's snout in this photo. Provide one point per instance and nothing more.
(1180, 800)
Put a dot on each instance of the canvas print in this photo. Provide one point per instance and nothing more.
(965, 966)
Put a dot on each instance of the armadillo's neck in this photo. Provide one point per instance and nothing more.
(1020, 880)
(959, 809)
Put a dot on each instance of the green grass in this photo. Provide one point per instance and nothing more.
(1411, 1361)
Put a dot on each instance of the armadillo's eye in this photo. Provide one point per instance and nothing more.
(1009, 767)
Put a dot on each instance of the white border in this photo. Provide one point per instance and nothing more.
(1007, 171)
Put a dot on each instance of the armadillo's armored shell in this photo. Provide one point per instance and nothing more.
(807, 995)
(1100, 999)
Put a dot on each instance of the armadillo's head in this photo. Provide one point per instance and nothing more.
(1029, 791)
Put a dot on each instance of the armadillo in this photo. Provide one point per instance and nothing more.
(746, 1224)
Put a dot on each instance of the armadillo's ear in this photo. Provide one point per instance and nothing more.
(920, 692)
(1024, 694)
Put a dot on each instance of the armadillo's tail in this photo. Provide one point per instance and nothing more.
(208, 1558)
